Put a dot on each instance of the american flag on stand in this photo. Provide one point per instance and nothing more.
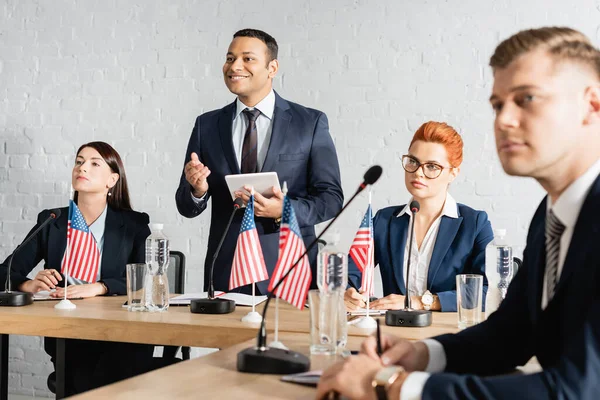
(82, 258)
(248, 262)
(291, 246)
(362, 252)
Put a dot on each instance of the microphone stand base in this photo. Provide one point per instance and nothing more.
(212, 306)
(15, 299)
(271, 361)
(410, 318)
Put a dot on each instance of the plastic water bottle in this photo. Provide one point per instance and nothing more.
(332, 279)
(498, 270)
(157, 260)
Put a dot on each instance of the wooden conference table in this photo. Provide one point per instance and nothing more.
(215, 376)
(104, 318)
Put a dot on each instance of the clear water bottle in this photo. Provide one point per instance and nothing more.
(332, 279)
(498, 270)
(157, 259)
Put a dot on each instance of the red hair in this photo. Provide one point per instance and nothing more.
(442, 133)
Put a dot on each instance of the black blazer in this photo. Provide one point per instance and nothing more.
(125, 234)
(302, 153)
(565, 336)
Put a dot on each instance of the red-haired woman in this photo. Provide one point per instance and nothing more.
(101, 193)
(449, 239)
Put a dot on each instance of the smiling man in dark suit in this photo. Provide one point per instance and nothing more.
(258, 132)
(546, 96)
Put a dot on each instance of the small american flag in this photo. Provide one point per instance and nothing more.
(248, 262)
(83, 258)
(291, 246)
(362, 250)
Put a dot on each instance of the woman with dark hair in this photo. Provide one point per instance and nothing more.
(102, 196)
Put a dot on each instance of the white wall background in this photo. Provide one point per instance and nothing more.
(137, 73)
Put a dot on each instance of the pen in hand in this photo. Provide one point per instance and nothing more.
(379, 350)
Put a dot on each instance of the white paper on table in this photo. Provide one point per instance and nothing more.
(363, 311)
(239, 298)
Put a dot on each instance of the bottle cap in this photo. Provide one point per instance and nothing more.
(156, 227)
(499, 233)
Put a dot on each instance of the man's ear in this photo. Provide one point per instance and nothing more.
(273, 67)
(592, 102)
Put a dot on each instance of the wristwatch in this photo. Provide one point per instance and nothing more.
(427, 300)
(384, 379)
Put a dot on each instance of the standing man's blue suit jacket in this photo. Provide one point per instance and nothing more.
(302, 153)
(459, 249)
(565, 337)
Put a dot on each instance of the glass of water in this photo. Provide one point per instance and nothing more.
(136, 278)
(328, 322)
(469, 294)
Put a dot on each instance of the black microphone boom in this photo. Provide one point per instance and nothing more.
(408, 316)
(213, 305)
(14, 298)
(264, 360)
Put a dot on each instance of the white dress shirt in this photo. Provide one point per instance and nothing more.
(97, 230)
(566, 208)
(420, 257)
(264, 128)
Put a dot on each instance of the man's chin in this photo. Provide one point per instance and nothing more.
(517, 169)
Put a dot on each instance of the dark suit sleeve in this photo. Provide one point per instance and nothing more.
(325, 196)
(574, 377)
(137, 254)
(475, 263)
(27, 257)
(183, 197)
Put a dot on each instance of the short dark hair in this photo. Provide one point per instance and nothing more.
(263, 37)
(119, 194)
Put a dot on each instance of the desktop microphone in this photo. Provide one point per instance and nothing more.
(213, 305)
(265, 360)
(408, 316)
(14, 298)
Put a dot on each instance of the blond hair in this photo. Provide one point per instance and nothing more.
(562, 43)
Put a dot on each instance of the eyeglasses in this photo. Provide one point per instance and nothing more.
(431, 170)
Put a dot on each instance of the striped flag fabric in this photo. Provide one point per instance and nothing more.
(248, 261)
(294, 288)
(82, 259)
(362, 252)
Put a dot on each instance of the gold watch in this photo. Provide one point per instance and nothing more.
(384, 379)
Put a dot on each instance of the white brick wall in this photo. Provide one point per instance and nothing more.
(137, 73)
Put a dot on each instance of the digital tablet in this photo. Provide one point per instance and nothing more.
(262, 182)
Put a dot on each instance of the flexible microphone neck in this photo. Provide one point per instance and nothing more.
(237, 204)
(414, 209)
(262, 333)
(53, 215)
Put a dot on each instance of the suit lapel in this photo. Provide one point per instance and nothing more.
(281, 123)
(446, 234)
(114, 232)
(57, 241)
(226, 136)
(536, 266)
(586, 229)
(398, 233)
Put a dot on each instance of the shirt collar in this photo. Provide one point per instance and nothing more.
(266, 106)
(569, 203)
(97, 227)
(450, 207)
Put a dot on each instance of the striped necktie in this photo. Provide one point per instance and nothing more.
(554, 231)
(249, 148)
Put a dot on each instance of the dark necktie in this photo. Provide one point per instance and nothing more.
(249, 149)
(554, 231)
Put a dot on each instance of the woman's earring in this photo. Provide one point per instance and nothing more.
(109, 194)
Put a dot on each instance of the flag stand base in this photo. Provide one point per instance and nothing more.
(65, 305)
